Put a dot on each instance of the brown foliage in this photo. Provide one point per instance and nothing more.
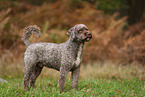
(109, 42)
(105, 43)
(134, 47)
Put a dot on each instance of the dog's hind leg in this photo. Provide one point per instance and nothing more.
(35, 73)
(30, 63)
(26, 79)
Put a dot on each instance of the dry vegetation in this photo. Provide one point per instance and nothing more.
(107, 70)
(110, 40)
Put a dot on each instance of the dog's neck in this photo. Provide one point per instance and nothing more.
(75, 46)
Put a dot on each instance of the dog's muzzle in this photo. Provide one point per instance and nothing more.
(89, 36)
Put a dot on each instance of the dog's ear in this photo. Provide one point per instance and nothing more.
(72, 33)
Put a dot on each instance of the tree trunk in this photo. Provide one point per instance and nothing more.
(135, 11)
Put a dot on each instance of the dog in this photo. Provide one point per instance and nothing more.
(63, 57)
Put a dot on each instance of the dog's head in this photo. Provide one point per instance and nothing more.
(79, 33)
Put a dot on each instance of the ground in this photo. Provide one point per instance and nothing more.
(107, 80)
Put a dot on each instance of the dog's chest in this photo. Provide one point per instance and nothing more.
(78, 60)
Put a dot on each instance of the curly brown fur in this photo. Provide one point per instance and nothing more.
(63, 57)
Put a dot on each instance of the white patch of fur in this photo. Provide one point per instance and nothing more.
(78, 60)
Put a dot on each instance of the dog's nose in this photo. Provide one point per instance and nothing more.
(89, 34)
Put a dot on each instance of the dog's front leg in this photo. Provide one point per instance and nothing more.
(75, 77)
(62, 77)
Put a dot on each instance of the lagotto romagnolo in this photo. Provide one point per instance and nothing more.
(63, 57)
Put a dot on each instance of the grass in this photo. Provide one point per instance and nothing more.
(96, 79)
(46, 87)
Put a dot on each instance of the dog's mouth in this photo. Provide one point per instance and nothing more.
(87, 39)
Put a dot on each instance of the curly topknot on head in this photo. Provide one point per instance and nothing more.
(80, 26)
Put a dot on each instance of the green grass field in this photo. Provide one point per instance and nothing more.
(103, 80)
(86, 88)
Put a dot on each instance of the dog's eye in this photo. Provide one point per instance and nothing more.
(80, 30)
(85, 33)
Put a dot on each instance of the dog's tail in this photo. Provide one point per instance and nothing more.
(27, 32)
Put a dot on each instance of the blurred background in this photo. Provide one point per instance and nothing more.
(117, 26)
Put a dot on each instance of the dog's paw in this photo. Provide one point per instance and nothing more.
(60, 91)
